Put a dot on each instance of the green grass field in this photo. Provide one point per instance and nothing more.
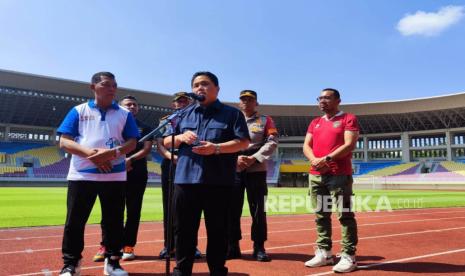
(24, 207)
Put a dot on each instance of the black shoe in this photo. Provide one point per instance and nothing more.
(68, 271)
(164, 253)
(234, 252)
(261, 256)
(198, 254)
(71, 270)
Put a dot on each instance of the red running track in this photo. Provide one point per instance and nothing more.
(401, 242)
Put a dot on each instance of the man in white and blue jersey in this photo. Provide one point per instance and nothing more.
(98, 134)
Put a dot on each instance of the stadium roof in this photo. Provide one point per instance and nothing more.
(29, 99)
(73, 88)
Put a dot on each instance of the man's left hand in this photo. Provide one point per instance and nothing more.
(128, 164)
(101, 156)
(204, 148)
(249, 161)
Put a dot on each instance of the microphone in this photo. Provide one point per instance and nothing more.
(194, 96)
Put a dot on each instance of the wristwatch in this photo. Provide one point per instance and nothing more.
(217, 149)
(328, 158)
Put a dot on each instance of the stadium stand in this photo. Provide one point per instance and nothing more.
(412, 170)
(456, 167)
(396, 136)
(154, 167)
(55, 170)
(13, 156)
(272, 174)
(45, 156)
(393, 169)
(294, 166)
(361, 168)
(14, 147)
(9, 171)
(48, 161)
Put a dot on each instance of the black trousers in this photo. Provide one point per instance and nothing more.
(165, 174)
(80, 200)
(134, 195)
(190, 200)
(257, 189)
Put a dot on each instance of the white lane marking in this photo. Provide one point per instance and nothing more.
(93, 267)
(60, 227)
(248, 234)
(398, 260)
(279, 247)
(47, 272)
(386, 214)
(59, 248)
(61, 235)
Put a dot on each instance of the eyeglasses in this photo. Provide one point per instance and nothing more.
(324, 98)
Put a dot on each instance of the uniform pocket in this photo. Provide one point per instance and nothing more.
(216, 131)
(188, 126)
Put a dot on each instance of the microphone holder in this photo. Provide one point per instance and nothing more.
(157, 133)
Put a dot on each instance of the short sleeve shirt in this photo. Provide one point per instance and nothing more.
(328, 135)
(216, 123)
(140, 165)
(95, 128)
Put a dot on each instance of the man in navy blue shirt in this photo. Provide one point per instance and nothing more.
(208, 134)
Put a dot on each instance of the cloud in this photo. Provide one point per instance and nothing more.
(430, 23)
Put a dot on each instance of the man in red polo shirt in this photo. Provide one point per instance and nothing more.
(328, 145)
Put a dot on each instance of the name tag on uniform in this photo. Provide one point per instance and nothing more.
(256, 128)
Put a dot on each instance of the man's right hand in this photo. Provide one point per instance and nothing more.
(105, 167)
(102, 155)
(175, 159)
(244, 161)
(319, 163)
(241, 164)
(188, 137)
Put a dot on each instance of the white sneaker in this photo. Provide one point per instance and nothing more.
(322, 257)
(347, 263)
(128, 256)
(128, 253)
(113, 268)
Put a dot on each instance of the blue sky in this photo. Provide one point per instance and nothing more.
(285, 50)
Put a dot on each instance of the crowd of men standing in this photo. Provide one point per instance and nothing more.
(215, 152)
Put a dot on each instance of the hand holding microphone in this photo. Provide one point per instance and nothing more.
(196, 97)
